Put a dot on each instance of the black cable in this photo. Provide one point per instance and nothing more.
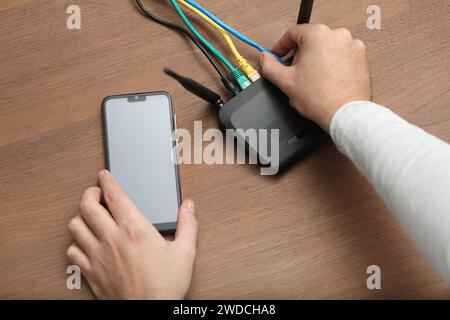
(231, 87)
(186, 32)
(306, 8)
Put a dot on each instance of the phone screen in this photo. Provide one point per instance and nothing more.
(140, 154)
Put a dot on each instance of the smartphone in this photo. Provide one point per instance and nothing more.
(140, 152)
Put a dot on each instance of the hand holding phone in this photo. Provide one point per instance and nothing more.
(120, 252)
(140, 153)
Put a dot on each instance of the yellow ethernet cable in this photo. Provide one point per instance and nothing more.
(243, 63)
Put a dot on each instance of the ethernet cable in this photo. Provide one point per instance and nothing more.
(236, 73)
(243, 63)
(234, 32)
(231, 87)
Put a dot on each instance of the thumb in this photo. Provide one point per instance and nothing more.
(274, 70)
(186, 234)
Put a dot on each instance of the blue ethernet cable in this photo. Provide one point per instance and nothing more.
(236, 73)
(234, 32)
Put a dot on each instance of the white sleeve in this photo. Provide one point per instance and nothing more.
(409, 169)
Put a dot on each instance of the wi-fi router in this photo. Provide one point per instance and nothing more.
(264, 106)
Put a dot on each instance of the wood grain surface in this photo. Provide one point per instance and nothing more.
(309, 233)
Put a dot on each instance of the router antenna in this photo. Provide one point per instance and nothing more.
(305, 11)
(196, 88)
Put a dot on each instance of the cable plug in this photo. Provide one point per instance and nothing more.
(231, 87)
(240, 78)
(248, 69)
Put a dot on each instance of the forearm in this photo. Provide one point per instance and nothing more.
(408, 168)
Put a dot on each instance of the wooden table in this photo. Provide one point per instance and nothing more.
(309, 233)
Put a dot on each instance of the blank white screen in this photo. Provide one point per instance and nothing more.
(141, 154)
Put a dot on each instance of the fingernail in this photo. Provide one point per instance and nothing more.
(102, 173)
(261, 58)
(191, 206)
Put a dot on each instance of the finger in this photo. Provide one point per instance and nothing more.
(360, 46)
(94, 214)
(344, 33)
(77, 257)
(187, 227)
(120, 206)
(274, 71)
(291, 39)
(82, 234)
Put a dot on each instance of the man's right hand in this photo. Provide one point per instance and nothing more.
(329, 69)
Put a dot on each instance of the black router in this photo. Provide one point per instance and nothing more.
(263, 106)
